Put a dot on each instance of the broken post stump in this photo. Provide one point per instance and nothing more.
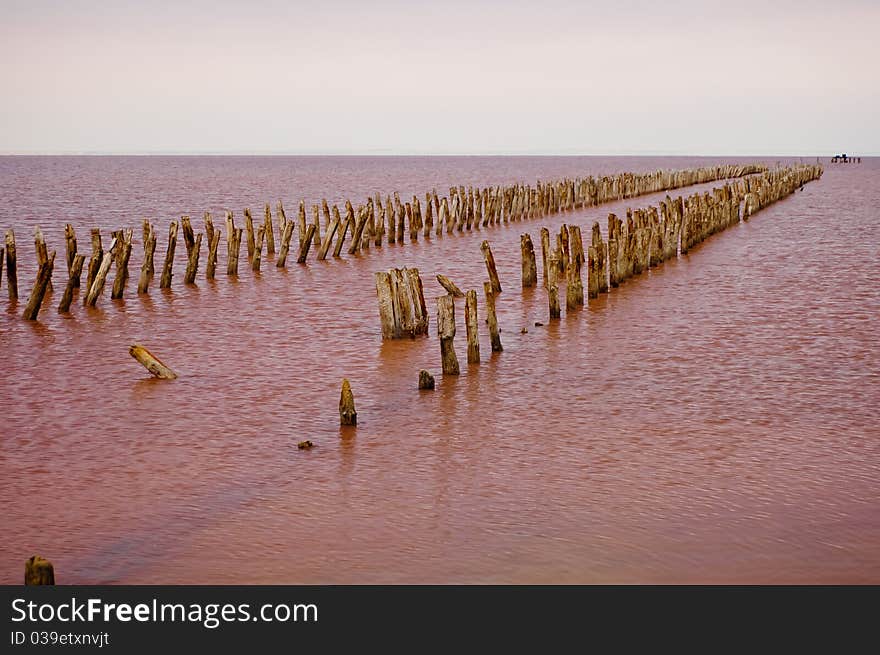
(11, 266)
(73, 276)
(192, 264)
(347, 413)
(147, 265)
(529, 267)
(426, 380)
(306, 244)
(38, 571)
(213, 244)
(552, 289)
(446, 332)
(167, 269)
(101, 276)
(96, 258)
(450, 286)
(152, 363)
(70, 241)
(122, 267)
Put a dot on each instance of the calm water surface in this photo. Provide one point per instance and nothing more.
(713, 420)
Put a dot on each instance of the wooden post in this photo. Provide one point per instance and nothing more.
(282, 218)
(11, 266)
(123, 256)
(490, 266)
(545, 253)
(75, 271)
(42, 253)
(258, 248)
(470, 318)
(44, 274)
(417, 293)
(192, 263)
(301, 222)
(347, 413)
(249, 228)
(269, 231)
(167, 272)
(213, 244)
(147, 265)
(492, 318)
(38, 571)
(358, 232)
(446, 332)
(152, 363)
(233, 244)
(189, 237)
(97, 286)
(316, 221)
(286, 234)
(331, 232)
(450, 286)
(529, 267)
(70, 240)
(552, 289)
(384, 292)
(306, 244)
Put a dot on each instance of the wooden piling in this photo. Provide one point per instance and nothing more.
(167, 269)
(390, 329)
(529, 267)
(97, 286)
(473, 337)
(213, 245)
(249, 229)
(306, 244)
(426, 380)
(552, 288)
(450, 286)
(233, 244)
(358, 233)
(286, 234)
(123, 255)
(331, 232)
(44, 274)
(316, 233)
(147, 264)
(189, 237)
(73, 275)
(347, 413)
(446, 332)
(11, 266)
(258, 249)
(545, 253)
(492, 318)
(269, 231)
(490, 266)
(192, 263)
(38, 571)
(417, 294)
(42, 253)
(70, 242)
(152, 363)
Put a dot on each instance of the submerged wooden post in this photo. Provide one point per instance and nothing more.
(552, 289)
(44, 274)
(147, 265)
(286, 234)
(11, 266)
(42, 252)
(470, 319)
(384, 292)
(331, 232)
(192, 263)
(167, 269)
(258, 249)
(529, 267)
(545, 253)
(96, 258)
(417, 294)
(249, 228)
(347, 413)
(233, 244)
(270, 231)
(450, 286)
(74, 275)
(97, 286)
(70, 241)
(306, 244)
(38, 571)
(426, 380)
(152, 363)
(213, 244)
(492, 318)
(446, 332)
(123, 256)
(490, 266)
(189, 237)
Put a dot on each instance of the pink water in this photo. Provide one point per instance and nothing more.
(712, 420)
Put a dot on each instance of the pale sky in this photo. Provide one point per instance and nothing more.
(551, 77)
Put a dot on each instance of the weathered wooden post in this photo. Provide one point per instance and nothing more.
(347, 413)
(44, 274)
(249, 228)
(233, 244)
(545, 253)
(306, 244)
(552, 289)
(70, 241)
(152, 363)
(286, 234)
(301, 222)
(450, 286)
(73, 276)
(473, 337)
(331, 233)
(492, 318)
(420, 308)
(213, 244)
(189, 237)
(123, 255)
(11, 266)
(192, 263)
(490, 266)
(258, 249)
(97, 286)
(147, 265)
(384, 292)
(529, 267)
(316, 233)
(270, 231)
(358, 232)
(42, 252)
(446, 332)
(167, 269)
(38, 571)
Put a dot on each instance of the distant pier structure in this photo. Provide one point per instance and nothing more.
(845, 159)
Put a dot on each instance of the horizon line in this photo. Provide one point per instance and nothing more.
(379, 153)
